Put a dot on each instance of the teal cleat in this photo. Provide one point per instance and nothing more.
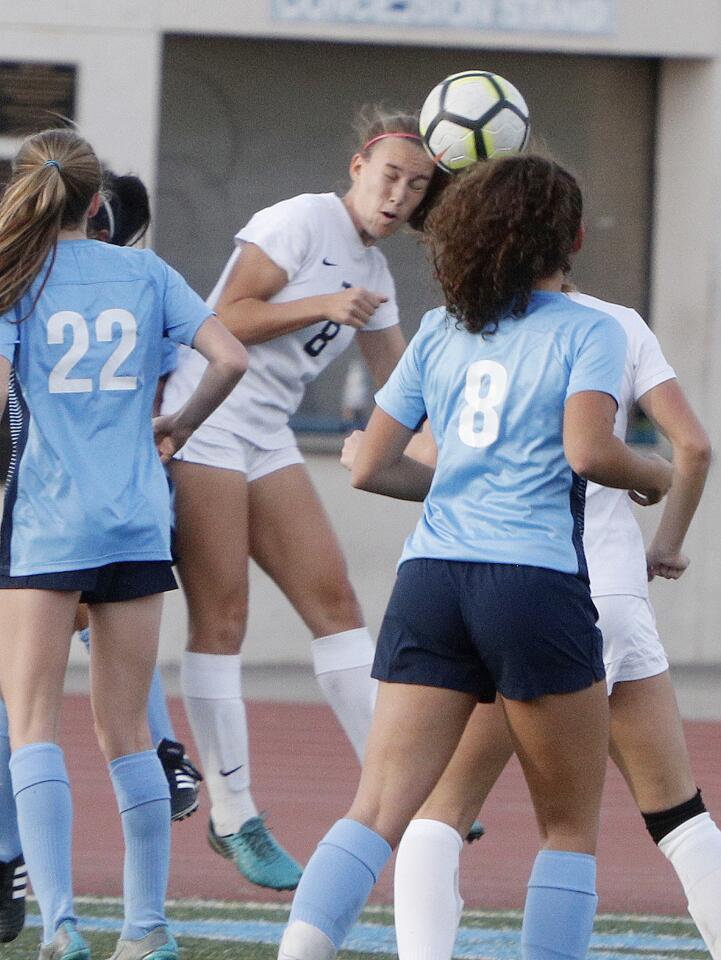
(476, 832)
(67, 944)
(257, 855)
(157, 945)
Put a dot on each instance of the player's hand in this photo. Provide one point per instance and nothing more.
(169, 437)
(350, 449)
(658, 487)
(353, 307)
(669, 564)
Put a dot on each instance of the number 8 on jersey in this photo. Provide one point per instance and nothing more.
(492, 377)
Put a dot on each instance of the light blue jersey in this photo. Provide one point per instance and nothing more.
(86, 487)
(503, 491)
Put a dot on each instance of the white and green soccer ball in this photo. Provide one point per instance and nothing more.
(474, 115)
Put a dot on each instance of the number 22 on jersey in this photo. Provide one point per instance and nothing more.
(479, 421)
(106, 325)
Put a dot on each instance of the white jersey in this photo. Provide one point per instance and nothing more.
(612, 539)
(313, 239)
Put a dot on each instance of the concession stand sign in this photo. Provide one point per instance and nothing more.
(582, 17)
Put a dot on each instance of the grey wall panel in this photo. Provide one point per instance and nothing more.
(248, 122)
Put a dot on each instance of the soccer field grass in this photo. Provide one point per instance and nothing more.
(212, 930)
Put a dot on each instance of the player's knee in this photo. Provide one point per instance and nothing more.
(224, 633)
(337, 606)
(660, 824)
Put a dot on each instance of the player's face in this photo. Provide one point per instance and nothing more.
(387, 186)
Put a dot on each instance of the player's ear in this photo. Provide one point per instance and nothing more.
(94, 206)
(355, 166)
(580, 237)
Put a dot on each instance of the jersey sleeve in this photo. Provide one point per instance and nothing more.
(284, 232)
(387, 313)
(401, 397)
(599, 359)
(650, 365)
(9, 334)
(168, 357)
(184, 311)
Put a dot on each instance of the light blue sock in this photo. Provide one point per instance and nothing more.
(560, 906)
(159, 722)
(339, 877)
(45, 819)
(144, 803)
(9, 836)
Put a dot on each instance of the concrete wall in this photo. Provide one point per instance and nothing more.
(235, 137)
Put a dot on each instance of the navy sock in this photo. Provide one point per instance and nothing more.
(144, 804)
(560, 906)
(9, 836)
(339, 877)
(45, 820)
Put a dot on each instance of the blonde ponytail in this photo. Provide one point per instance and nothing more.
(55, 175)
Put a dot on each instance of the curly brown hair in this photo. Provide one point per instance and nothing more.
(496, 231)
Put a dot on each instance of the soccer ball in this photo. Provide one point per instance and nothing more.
(472, 116)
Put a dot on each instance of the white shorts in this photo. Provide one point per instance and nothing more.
(632, 649)
(216, 447)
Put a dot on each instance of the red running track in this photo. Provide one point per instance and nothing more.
(304, 775)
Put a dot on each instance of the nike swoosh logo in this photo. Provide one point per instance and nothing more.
(328, 263)
(227, 773)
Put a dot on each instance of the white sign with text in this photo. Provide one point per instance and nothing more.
(518, 16)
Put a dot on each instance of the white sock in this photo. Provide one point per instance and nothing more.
(211, 688)
(694, 850)
(302, 941)
(427, 902)
(342, 664)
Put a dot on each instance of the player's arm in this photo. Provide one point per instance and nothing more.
(255, 278)
(667, 406)
(381, 350)
(422, 447)
(594, 452)
(227, 362)
(381, 466)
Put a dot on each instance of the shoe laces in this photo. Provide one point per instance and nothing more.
(260, 840)
(185, 766)
(174, 760)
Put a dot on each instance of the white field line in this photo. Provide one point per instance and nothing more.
(284, 908)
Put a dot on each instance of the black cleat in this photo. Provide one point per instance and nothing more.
(13, 881)
(183, 779)
(476, 832)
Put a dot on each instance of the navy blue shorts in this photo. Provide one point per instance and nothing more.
(113, 583)
(484, 627)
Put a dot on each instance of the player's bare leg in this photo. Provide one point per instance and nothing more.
(182, 776)
(123, 655)
(414, 732)
(291, 538)
(427, 901)
(212, 543)
(35, 631)
(562, 744)
(648, 746)
(125, 644)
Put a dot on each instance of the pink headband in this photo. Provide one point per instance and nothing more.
(382, 136)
